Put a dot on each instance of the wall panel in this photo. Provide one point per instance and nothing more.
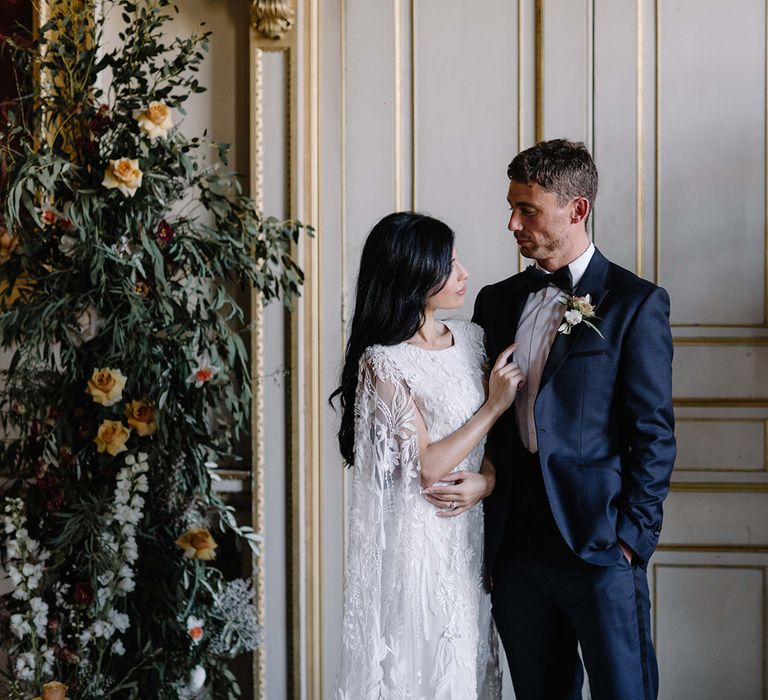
(711, 147)
(710, 627)
(466, 128)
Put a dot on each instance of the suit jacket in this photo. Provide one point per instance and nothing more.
(604, 419)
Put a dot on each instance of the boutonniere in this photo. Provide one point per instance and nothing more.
(577, 310)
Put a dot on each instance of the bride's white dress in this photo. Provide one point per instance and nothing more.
(417, 619)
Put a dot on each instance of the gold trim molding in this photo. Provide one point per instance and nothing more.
(257, 369)
(720, 487)
(272, 19)
(722, 340)
(307, 326)
(720, 402)
(713, 548)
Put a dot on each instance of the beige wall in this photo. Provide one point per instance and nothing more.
(422, 104)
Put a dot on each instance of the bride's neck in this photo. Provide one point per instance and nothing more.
(431, 331)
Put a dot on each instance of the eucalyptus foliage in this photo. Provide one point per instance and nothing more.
(119, 288)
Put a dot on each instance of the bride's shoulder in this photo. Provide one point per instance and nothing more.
(471, 331)
(382, 361)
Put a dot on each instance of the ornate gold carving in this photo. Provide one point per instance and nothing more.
(272, 18)
(257, 370)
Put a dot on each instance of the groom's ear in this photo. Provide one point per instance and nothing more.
(580, 210)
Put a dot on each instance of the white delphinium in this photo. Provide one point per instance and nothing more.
(39, 616)
(49, 658)
(25, 567)
(61, 591)
(25, 556)
(119, 541)
(25, 666)
(20, 626)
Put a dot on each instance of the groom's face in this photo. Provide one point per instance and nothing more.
(542, 228)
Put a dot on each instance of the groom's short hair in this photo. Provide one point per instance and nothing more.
(564, 168)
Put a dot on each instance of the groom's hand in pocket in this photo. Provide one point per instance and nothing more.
(628, 553)
(464, 489)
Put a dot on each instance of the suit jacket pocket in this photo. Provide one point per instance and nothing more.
(588, 353)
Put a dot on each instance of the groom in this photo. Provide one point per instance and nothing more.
(584, 455)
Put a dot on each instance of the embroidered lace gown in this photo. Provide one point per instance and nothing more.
(417, 620)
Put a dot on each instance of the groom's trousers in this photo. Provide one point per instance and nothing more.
(546, 600)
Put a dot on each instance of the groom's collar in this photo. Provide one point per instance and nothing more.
(578, 266)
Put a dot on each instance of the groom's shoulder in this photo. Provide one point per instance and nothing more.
(620, 279)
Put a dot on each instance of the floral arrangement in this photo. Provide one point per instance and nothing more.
(123, 247)
(577, 310)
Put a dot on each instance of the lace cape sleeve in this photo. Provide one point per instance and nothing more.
(384, 474)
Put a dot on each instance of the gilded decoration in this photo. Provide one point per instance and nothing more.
(272, 19)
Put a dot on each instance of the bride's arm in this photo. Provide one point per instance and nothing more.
(465, 490)
(439, 458)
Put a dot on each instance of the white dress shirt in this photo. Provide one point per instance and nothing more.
(541, 317)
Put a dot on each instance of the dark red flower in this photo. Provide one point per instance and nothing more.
(142, 289)
(83, 594)
(66, 654)
(165, 232)
(54, 502)
(40, 469)
(54, 413)
(86, 147)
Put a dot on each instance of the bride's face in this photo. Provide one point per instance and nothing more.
(451, 296)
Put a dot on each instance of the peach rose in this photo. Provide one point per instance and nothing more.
(124, 174)
(197, 543)
(155, 120)
(53, 691)
(141, 417)
(8, 245)
(111, 437)
(106, 386)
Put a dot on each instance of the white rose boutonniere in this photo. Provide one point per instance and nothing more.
(577, 310)
(155, 121)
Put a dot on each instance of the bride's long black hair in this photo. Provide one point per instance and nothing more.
(406, 258)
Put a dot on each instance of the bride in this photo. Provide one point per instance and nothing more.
(417, 617)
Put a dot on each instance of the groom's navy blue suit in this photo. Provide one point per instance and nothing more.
(606, 448)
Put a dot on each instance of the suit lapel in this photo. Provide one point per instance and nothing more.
(593, 283)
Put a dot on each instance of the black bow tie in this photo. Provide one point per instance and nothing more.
(538, 279)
